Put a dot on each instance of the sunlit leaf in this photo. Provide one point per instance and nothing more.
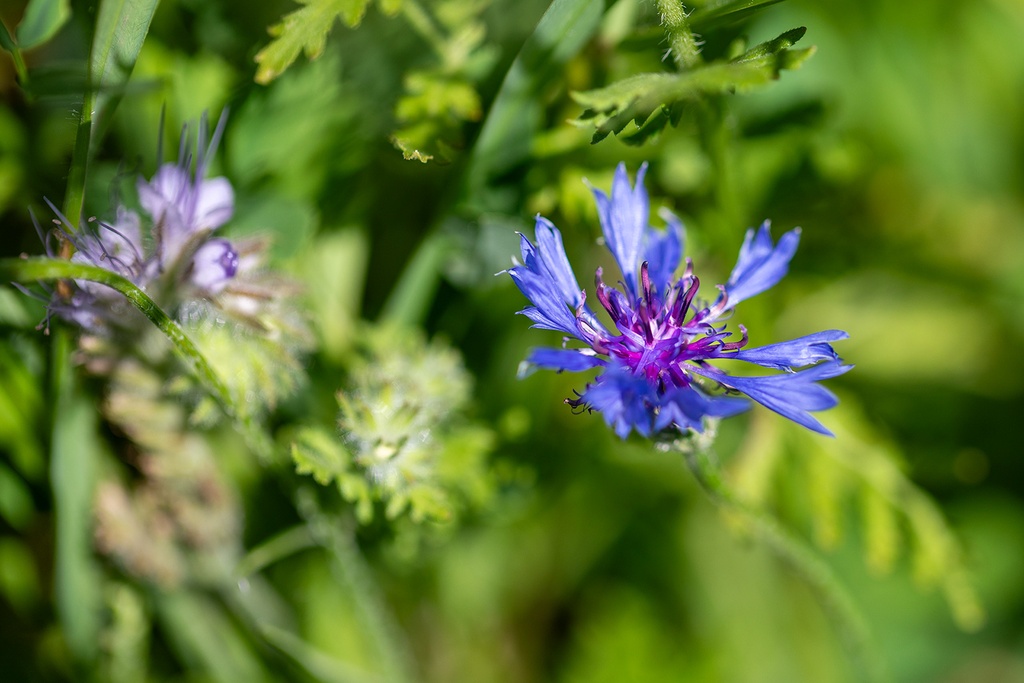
(319, 453)
(121, 28)
(306, 29)
(651, 101)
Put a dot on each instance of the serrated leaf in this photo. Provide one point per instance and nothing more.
(319, 453)
(652, 101)
(881, 531)
(432, 113)
(42, 20)
(825, 497)
(306, 29)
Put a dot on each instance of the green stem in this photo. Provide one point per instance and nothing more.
(798, 555)
(356, 574)
(411, 297)
(35, 269)
(7, 42)
(74, 196)
(685, 50)
(283, 545)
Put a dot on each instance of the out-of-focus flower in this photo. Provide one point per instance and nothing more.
(183, 204)
(214, 264)
(654, 369)
(179, 259)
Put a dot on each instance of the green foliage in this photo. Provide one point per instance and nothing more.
(860, 466)
(713, 13)
(432, 106)
(652, 101)
(145, 537)
(42, 20)
(306, 29)
(121, 28)
(404, 441)
(437, 101)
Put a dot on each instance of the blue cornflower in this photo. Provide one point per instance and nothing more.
(654, 364)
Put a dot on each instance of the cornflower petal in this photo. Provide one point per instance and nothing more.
(624, 219)
(664, 251)
(686, 408)
(552, 261)
(796, 353)
(549, 311)
(791, 395)
(624, 401)
(571, 360)
(761, 264)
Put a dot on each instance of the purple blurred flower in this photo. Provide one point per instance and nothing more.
(184, 206)
(654, 369)
(214, 265)
(181, 209)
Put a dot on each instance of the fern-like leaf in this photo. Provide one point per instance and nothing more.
(306, 30)
(652, 101)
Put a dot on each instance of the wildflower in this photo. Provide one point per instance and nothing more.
(181, 209)
(654, 364)
(184, 205)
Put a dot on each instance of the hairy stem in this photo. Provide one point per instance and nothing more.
(682, 43)
(798, 555)
(396, 659)
(35, 269)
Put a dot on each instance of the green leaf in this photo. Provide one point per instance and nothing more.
(121, 29)
(321, 666)
(306, 30)
(15, 500)
(43, 18)
(895, 513)
(74, 460)
(19, 575)
(205, 638)
(319, 453)
(652, 101)
(714, 14)
(432, 113)
(517, 111)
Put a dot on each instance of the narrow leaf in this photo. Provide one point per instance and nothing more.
(74, 460)
(317, 664)
(515, 114)
(121, 28)
(714, 14)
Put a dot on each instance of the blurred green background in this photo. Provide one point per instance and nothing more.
(898, 147)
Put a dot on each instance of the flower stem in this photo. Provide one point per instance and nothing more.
(364, 590)
(682, 43)
(850, 623)
(8, 43)
(34, 269)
